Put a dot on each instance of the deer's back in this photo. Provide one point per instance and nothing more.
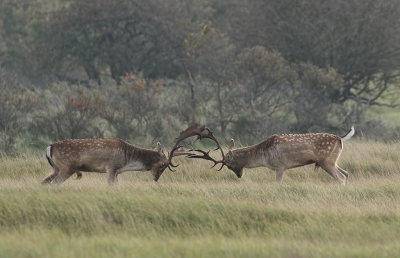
(298, 149)
(82, 152)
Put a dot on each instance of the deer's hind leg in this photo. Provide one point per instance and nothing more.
(65, 173)
(49, 179)
(343, 171)
(335, 172)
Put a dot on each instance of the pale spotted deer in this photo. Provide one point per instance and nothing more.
(109, 155)
(285, 151)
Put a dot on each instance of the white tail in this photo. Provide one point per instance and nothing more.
(349, 134)
(282, 152)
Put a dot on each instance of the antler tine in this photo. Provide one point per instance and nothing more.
(211, 136)
(190, 131)
(206, 155)
(180, 151)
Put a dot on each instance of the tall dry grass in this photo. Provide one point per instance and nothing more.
(201, 212)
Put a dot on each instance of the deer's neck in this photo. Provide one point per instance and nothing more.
(139, 159)
(256, 155)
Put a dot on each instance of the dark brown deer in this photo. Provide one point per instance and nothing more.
(282, 152)
(109, 155)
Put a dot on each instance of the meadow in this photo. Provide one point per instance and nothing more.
(201, 212)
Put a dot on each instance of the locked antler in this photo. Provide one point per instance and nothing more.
(206, 155)
(189, 132)
(192, 131)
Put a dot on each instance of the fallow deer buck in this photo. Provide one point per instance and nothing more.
(109, 155)
(285, 151)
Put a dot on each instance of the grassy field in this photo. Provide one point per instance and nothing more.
(200, 212)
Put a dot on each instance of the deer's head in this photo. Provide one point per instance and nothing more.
(161, 163)
(233, 160)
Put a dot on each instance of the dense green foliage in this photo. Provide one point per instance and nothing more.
(142, 70)
(198, 212)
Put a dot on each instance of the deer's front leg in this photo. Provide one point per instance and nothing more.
(112, 176)
(279, 174)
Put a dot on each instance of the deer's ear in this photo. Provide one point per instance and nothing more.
(232, 144)
(159, 148)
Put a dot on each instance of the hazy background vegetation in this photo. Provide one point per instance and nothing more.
(142, 70)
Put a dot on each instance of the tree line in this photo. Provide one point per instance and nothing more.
(142, 69)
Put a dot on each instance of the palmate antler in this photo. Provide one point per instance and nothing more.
(206, 155)
(189, 132)
(192, 131)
